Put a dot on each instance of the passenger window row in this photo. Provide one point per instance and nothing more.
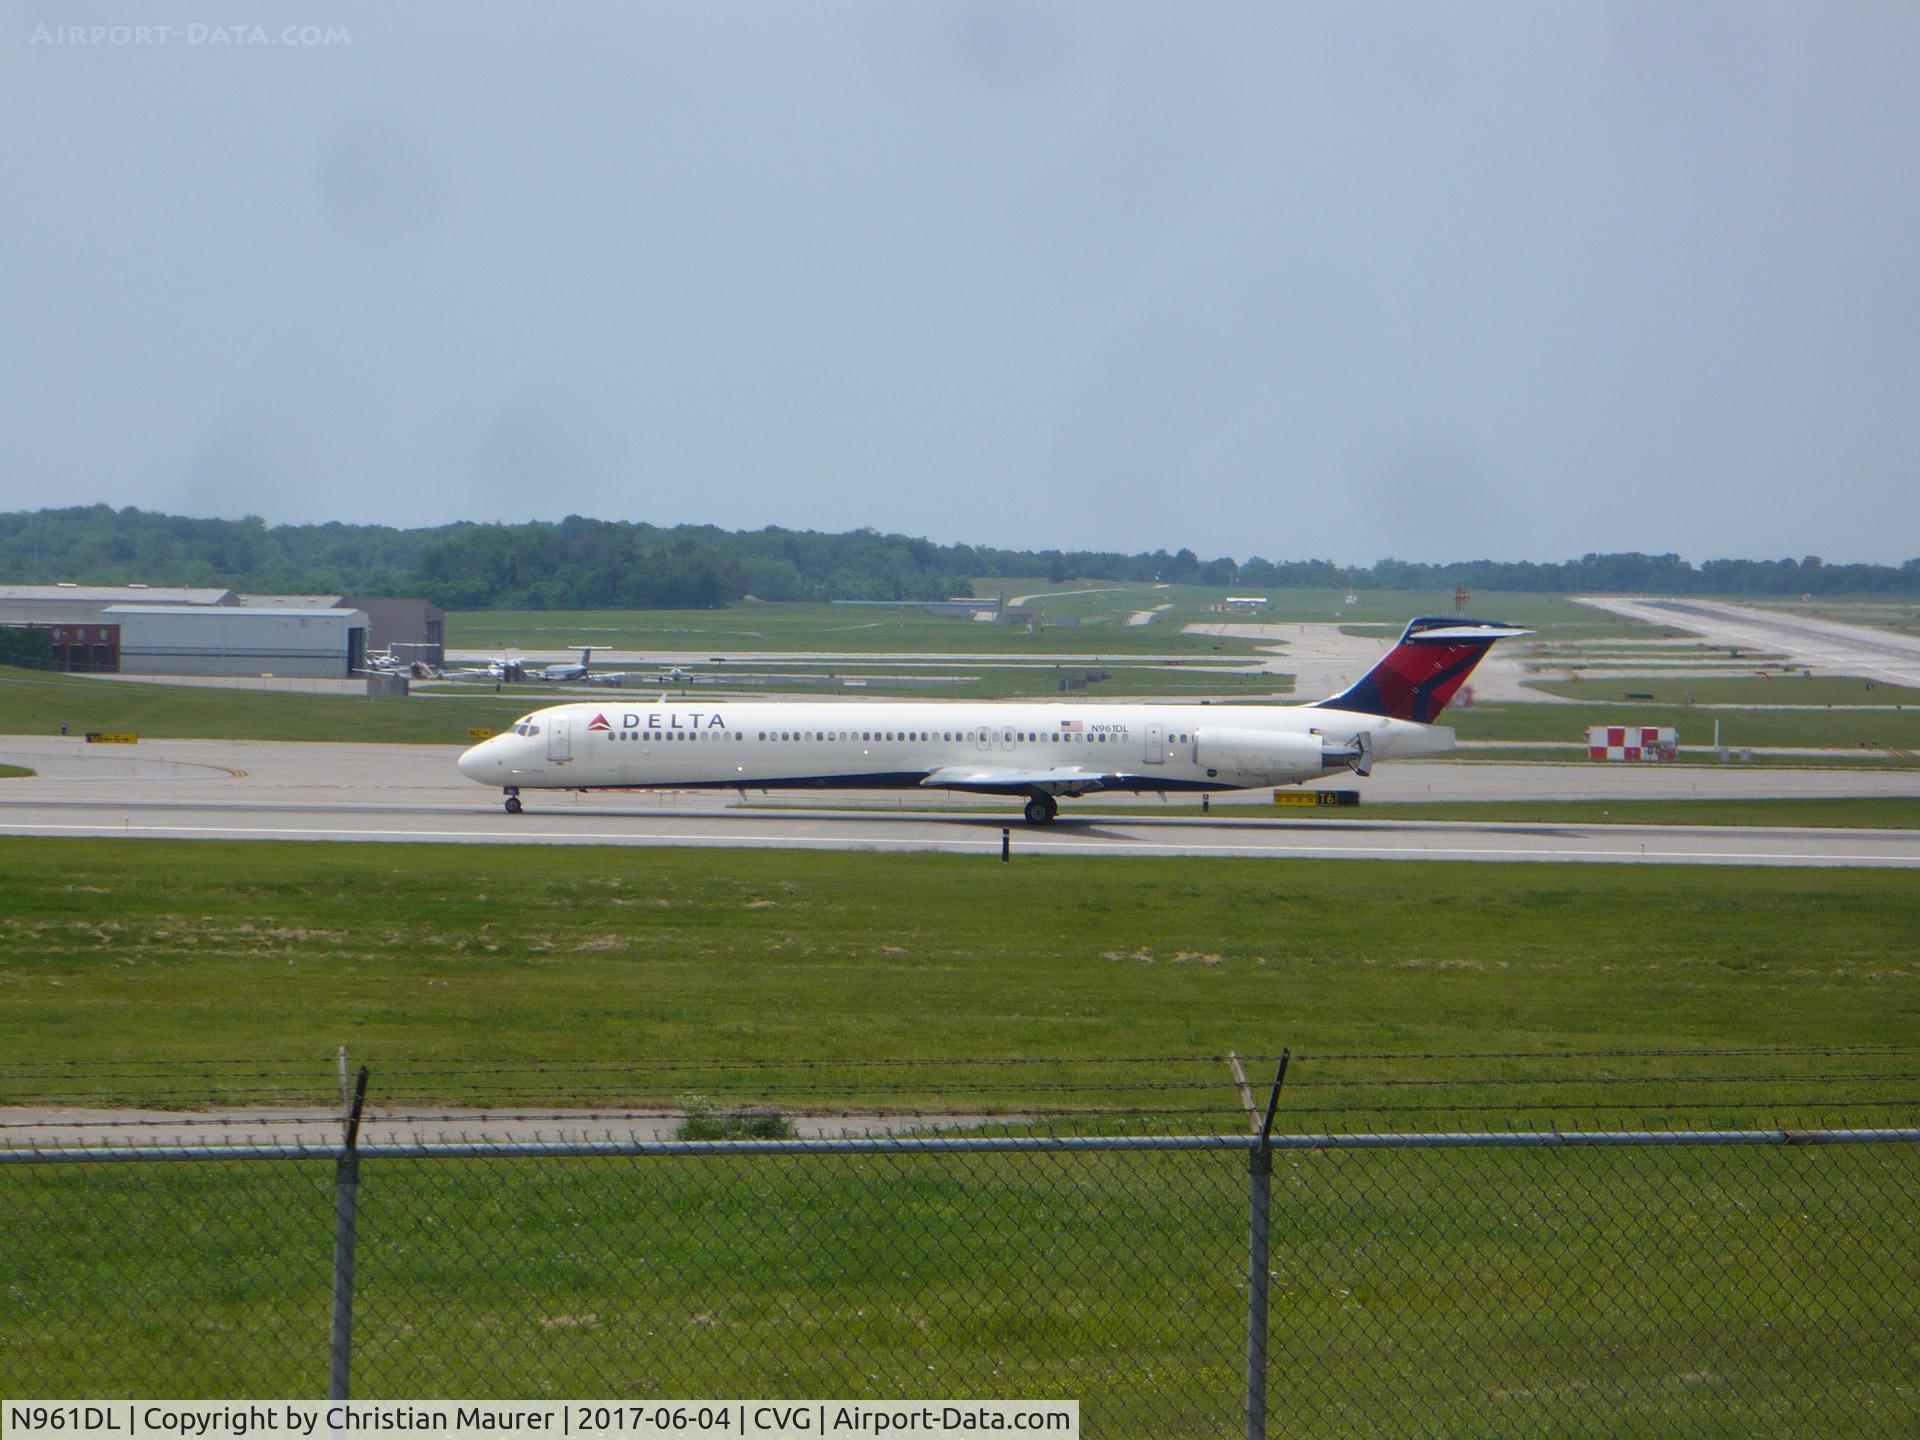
(867, 736)
(674, 735)
(847, 735)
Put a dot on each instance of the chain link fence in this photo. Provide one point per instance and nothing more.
(1597, 1283)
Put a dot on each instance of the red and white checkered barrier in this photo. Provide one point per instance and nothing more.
(1632, 742)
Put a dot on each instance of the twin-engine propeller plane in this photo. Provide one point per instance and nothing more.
(1038, 750)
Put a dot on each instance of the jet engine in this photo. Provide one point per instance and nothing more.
(1267, 757)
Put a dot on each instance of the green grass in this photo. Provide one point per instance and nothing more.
(165, 951)
(1884, 612)
(1120, 682)
(1157, 681)
(1753, 690)
(1105, 601)
(35, 703)
(1444, 1293)
(1554, 615)
(984, 680)
(1874, 812)
(14, 772)
(1864, 812)
(1462, 1293)
(1088, 620)
(1837, 729)
(1691, 754)
(832, 629)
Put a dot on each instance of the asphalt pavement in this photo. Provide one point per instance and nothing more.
(267, 790)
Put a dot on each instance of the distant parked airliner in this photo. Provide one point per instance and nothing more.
(1038, 750)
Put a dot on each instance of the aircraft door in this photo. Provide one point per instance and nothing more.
(560, 738)
(1006, 738)
(983, 739)
(1156, 744)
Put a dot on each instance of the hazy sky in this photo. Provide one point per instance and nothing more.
(1420, 279)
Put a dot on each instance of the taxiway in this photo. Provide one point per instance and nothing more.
(265, 790)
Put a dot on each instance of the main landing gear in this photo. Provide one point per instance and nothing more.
(1042, 809)
(513, 800)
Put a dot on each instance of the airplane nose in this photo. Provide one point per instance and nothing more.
(475, 763)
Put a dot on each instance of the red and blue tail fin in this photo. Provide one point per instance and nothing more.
(1418, 676)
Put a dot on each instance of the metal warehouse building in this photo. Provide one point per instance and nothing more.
(404, 626)
(88, 604)
(234, 640)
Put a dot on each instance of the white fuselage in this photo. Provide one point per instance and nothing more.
(957, 745)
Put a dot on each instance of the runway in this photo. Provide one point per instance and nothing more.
(1826, 646)
(264, 790)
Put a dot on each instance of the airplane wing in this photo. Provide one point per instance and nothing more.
(1005, 780)
(614, 677)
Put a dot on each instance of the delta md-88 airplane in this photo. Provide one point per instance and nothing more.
(1037, 750)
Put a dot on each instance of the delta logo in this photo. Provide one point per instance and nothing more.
(599, 722)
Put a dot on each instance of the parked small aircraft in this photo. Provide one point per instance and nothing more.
(391, 664)
(560, 674)
(499, 667)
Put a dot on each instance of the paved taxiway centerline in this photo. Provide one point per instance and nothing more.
(399, 793)
(1275, 847)
(1086, 824)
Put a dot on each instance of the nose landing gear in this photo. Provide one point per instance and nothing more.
(513, 800)
(1042, 809)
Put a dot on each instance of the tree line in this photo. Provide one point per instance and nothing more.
(579, 563)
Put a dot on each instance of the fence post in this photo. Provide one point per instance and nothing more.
(1259, 1198)
(346, 1219)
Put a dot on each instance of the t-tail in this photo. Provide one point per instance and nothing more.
(1416, 678)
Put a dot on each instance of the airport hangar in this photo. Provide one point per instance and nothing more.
(108, 629)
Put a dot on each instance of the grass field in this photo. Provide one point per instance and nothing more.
(35, 703)
(14, 772)
(980, 680)
(1469, 1293)
(1484, 1293)
(1087, 620)
(1893, 812)
(1884, 612)
(738, 960)
(828, 629)
(1856, 812)
(1825, 729)
(1028, 683)
(1568, 753)
(1754, 691)
(1110, 602)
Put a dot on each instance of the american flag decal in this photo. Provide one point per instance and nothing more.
(1072, 725)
